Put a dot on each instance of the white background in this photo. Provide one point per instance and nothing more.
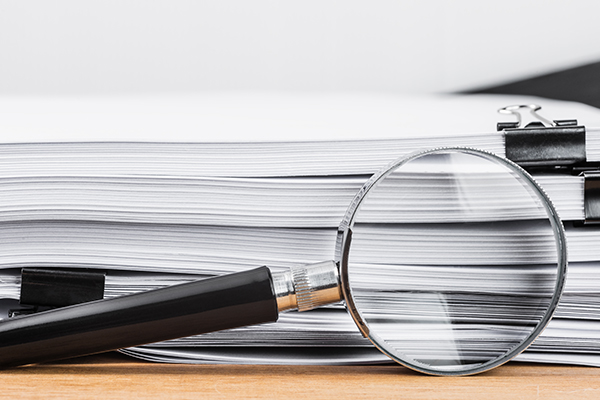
(141, 46)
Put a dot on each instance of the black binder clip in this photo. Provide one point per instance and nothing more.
(591, 197)
(539, 142)
(542, 145)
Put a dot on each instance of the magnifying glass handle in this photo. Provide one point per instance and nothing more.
(225, 302)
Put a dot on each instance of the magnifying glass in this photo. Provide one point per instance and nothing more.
(482, 297)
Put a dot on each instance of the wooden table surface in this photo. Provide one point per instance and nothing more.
(113, 376)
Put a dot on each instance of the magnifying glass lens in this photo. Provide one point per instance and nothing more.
(454, 261)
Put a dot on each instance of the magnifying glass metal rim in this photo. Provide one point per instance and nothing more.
(345, 239)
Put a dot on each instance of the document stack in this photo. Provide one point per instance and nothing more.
(155, 208)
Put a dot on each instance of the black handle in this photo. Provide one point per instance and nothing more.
(225, 302)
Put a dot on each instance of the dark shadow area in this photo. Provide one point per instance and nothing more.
(581, 84)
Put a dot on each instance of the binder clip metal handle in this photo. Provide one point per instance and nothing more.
(518, 110)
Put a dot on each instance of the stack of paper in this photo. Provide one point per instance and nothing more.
(156, 213)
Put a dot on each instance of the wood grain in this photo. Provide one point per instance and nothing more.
(114, 376)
